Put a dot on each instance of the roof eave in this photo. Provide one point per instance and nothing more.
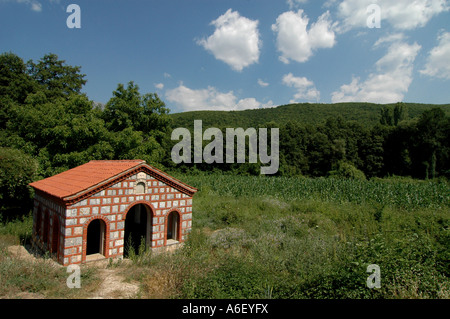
(160, 175)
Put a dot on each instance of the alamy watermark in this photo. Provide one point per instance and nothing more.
(374, 19)
(214, 151)
(73, 20)
(74, 279)
(374, 280)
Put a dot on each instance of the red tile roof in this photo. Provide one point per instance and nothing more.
(86, 177)
(82, 177)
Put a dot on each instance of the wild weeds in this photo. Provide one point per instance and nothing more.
(290, 238)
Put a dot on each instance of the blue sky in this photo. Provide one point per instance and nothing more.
(243, 54)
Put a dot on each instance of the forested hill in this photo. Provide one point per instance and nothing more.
(306, 113)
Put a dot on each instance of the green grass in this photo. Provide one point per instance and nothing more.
(259, 237)
(40, 278)
(253, 238)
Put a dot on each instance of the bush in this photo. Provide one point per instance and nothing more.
(347, 170)
(17, 170)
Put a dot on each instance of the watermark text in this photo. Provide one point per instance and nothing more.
(214, 151)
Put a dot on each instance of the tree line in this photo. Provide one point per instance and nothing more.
(397, 145)
(48, 125)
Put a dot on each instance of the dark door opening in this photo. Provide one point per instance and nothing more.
(95, 237)
(137, 229)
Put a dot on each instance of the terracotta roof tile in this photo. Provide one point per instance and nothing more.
(80, 178)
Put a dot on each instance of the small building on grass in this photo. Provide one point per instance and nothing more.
(104, 209)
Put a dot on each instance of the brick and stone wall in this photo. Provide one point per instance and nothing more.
(48, 225)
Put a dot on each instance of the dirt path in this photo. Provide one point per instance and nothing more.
(113, 286)
(112, 283)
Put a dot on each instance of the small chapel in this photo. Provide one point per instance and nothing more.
(105, 209)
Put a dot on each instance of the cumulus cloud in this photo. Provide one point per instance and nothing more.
(296, 42)
(263, 84)
(211, 99)
(159, 86)
(438, 61)
(305, 88)
(401, 14)
(391, 81)
(235, 41)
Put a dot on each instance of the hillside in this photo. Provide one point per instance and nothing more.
(367, 113)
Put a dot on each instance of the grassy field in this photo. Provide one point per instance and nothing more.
(259, 237)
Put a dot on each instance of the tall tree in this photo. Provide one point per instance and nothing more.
(386, 117)
(139, 123)
(129, 109)
(56, 77)
(15, 84)
(430, 140)
(400, 113)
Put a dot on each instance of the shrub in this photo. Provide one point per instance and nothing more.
(17, 169)
(347, 170)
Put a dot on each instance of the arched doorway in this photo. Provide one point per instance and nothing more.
(96, 235)
(173, 223)
(138, 226)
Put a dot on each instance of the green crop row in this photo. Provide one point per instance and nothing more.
(399, 193)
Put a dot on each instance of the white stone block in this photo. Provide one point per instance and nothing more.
(78, 231)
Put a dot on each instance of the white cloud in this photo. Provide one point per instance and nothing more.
(36, 6)
(401, 14)
(33, 4)
(438, 61)
(305, 88)
(391, 81)
(236, 40)
(329, 3)
(262, 83)
(295, 3)
(159, 86)
(396, 37)
(296, 42)
(211, 99)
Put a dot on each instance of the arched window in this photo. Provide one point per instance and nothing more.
(139, 188)
(173, 224)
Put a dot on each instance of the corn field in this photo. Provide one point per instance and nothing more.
(399, 193)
